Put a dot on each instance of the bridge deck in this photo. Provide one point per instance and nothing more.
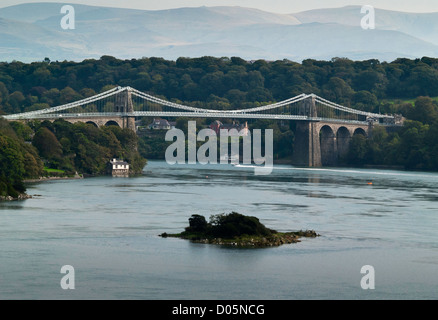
(300, 108)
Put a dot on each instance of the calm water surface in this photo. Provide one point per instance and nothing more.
(107, 229)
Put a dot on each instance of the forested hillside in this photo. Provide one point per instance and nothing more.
(85, 148)
(29, 151)
(409, 87)
(221, 83)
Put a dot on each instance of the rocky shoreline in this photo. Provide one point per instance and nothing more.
(41, 179)
(274, 240)
(22, 196)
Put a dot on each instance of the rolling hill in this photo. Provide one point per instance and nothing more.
(31, 32)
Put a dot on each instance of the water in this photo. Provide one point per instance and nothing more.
(107, 229)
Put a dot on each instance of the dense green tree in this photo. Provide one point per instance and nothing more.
(4, 95)
(22, 130)
(47, 144)
(18, 161)
(377, 146)
(365, 100)
(424, 111)
(16, 100)
(431, 142)
(358, 150)
(197, 223)
(337, 89)
(412, 151)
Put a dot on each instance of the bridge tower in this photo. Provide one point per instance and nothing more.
(307, 149)
(124, 105)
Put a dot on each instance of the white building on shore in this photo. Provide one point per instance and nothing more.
(119, 168)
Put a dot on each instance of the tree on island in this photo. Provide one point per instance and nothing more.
(226, 226)
(236, 229)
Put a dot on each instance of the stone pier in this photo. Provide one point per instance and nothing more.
(322, 143)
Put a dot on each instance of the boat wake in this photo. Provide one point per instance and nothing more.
(365, 171)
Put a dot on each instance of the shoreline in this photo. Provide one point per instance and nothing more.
(22, 196)
(25, 196)
(42, 179)
(386, 167)
(247, 241)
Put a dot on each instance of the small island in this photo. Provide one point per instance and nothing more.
(235, 229)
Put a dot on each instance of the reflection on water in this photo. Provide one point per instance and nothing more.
(108, 230)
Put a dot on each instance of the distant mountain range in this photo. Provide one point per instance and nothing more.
(31, 32)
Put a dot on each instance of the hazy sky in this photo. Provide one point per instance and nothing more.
(280, 6)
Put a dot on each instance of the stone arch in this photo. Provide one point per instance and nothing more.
(360, 131)
(327, 141)
(343, 138)
(112, 123)
(92, 123)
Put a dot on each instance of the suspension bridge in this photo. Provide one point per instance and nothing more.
(324, 128)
